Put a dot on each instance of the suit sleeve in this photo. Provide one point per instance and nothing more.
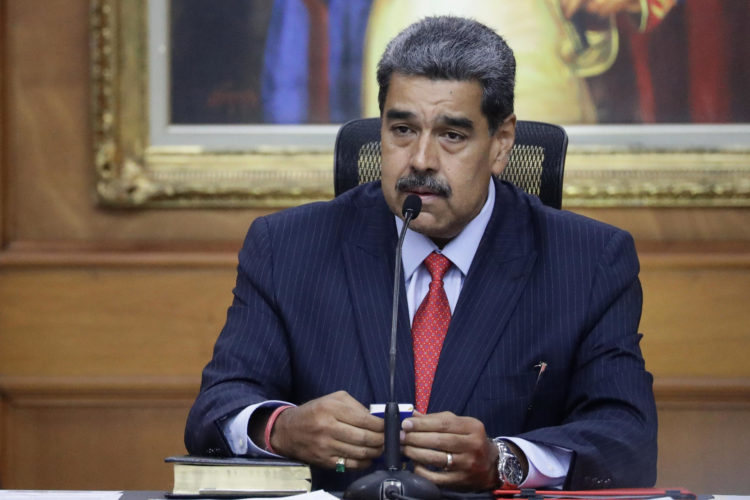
(250, 363)
(610, 421)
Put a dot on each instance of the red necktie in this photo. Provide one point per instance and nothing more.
(429, 328)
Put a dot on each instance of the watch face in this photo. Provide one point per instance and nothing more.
(512, 471)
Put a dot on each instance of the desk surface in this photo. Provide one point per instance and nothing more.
(82, 495)
(160, 495)
(79, 495)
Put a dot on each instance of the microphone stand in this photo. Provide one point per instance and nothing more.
(394, 482)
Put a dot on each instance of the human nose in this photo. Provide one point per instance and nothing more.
(424, 157)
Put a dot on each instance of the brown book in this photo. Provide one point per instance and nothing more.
(196, 476)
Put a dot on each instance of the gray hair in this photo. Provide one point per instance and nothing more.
(454, 48)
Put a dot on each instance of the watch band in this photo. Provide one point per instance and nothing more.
(509, 469)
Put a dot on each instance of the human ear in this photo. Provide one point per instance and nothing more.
(502, 143)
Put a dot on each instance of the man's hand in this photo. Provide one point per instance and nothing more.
(427, 439)
(322, 430)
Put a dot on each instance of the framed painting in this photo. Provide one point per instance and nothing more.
(237, 103)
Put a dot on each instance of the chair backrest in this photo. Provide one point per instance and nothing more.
(535, 165)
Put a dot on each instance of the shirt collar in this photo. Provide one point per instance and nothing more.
(460, 250)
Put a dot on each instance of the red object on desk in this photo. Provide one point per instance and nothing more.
(626, 493)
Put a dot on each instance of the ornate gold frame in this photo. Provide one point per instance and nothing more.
(130, 172)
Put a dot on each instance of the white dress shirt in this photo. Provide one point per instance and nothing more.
(548, 465)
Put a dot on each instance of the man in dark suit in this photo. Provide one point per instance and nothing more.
(540, 380)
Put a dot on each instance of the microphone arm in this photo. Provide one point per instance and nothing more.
(409, 215)
(393, 482)
(411, 209)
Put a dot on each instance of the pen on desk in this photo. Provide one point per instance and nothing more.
(542, 368)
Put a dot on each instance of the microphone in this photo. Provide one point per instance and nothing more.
(392, 482)
(412, 204)
(410, 210)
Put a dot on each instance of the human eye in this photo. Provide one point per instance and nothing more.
(453, 136)
(400, 130)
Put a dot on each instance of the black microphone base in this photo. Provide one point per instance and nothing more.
(382, 485)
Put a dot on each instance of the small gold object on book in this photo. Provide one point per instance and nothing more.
(196, 476)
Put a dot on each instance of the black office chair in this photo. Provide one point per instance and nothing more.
(535, 165)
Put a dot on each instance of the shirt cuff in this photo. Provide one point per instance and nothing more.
(235, 430)
(548, 465)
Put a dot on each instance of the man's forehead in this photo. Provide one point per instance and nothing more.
(455, 103)
(402, 79)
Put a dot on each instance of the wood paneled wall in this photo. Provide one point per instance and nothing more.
(107, 316)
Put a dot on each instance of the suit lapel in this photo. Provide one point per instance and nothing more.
(498, 275)
(369, 255)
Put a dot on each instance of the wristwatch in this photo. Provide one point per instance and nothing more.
(509, 468)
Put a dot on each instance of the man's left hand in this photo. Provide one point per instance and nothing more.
(428, 439)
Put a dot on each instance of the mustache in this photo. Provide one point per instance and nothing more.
(426, 182)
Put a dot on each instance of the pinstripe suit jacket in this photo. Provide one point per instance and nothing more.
(311, 315)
